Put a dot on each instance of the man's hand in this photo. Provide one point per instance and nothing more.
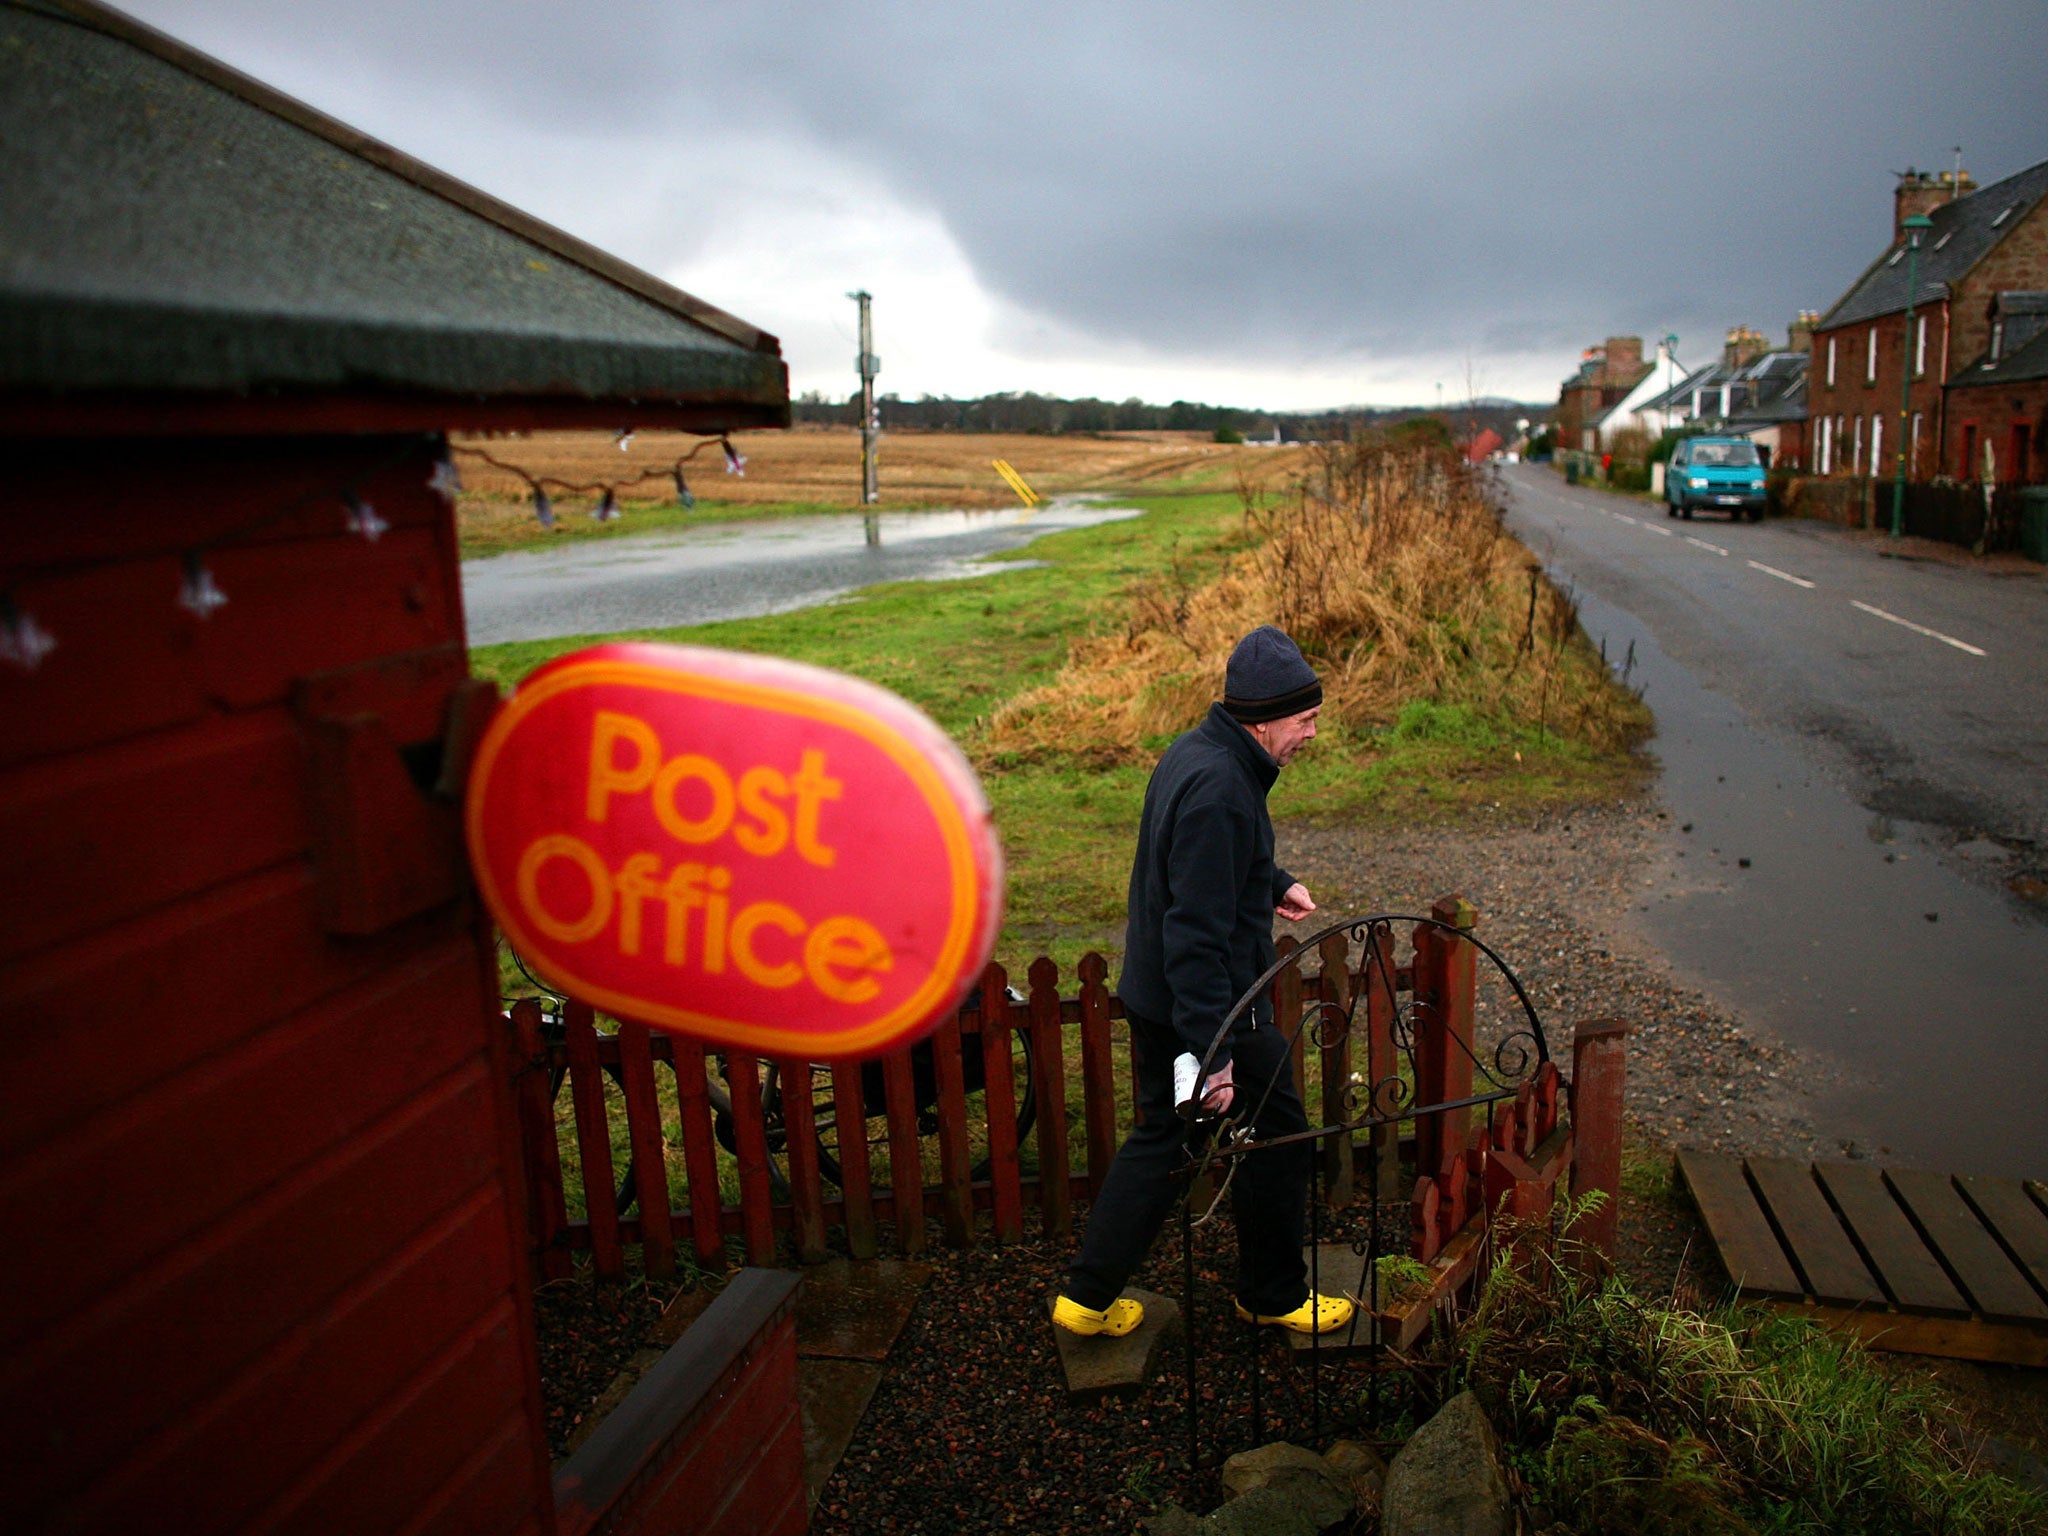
(1218, 1092)
(1295, 905)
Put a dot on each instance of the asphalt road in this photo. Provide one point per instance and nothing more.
(1855, 763)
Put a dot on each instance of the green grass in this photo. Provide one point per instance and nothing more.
(958, 649)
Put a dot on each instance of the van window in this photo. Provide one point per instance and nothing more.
(1724, 455)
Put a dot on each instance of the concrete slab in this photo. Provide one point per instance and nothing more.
(1102, 1366)
(1337, 1270)
(832, 1395)
(851, 1310)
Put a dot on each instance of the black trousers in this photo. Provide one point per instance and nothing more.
(1268, 1198)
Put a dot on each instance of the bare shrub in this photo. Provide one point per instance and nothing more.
(1387, 563)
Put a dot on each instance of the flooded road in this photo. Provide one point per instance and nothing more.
(742, 570)
(1847, 797)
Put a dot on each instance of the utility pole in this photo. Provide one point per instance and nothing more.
(869, 365)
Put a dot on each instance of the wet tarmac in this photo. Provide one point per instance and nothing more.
(742, 570)
(1847, 933)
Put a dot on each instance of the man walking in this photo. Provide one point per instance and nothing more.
(1204, 888)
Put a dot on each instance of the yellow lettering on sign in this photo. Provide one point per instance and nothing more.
(840, 956)
(813, 787)
(707, 828)
(607, 778)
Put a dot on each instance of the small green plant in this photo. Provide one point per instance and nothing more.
(1400, 1276)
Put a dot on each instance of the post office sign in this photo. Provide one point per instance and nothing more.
(763, 855)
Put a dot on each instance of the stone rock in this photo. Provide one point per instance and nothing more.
(1448, 1479)
(1305, 1479)
(1361, 1466)
(1172, 1521)
(1267, 1511)
(1101, 1365)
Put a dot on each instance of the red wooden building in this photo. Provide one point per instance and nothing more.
(258, 1167)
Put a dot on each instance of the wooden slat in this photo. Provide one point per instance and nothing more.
(547, 1207)
(1377, 977)
(2019, 1223)
(1749, 1250)
(1999, 1290)
(1098, 1072)
(1833, 1269)
(700, 1156)
(650, 1156)
(1334, 1029)
(906, 1170)
(1948, 1337)
(849, 1115)
(1287, 1005)
(1916, 1281)
(800, 1154)
(1000, 1096)
(757, 1194)
(594, 1144)
(1048, 1048)
(956, 1202)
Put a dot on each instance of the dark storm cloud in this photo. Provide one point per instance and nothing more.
(1274, 182)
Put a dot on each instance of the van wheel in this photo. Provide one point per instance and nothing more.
(1670, 510)
(1686, 513)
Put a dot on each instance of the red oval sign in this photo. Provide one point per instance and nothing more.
(757, 853)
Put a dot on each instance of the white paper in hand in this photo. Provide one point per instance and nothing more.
(1184, 1069)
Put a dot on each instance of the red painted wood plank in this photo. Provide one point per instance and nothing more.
(956, 1204)
(906, 1165)
(1381, 1068)
(171, 1162)
(1287, 1006)
(650, 1151)
(594, 1143)
(369, 1340)
(1000, 1097)
(1048, 1047)
(149, 821)
(700, 1155)
(757, 1221)
(1333, 1033)
(1994, 1283)
(856, 1176)
(547, 1206)
(1098, 1073)
(800, 1143)
(192, 1321)
(393, 1465)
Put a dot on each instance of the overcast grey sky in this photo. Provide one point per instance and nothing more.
(1282, 204)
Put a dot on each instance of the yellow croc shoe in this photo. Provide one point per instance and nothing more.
(1116, 1320)
(1319, 1314)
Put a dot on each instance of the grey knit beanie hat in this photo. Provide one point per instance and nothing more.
(1268, 678)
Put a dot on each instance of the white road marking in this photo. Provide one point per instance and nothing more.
(1653, 528)
(1918, 629)
(1703, 544)
(1624, 517)
(1772, 570)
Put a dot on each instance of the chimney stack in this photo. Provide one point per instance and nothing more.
(1800, 337)
(1624, 358)
(1925, 191)
(1744, 347)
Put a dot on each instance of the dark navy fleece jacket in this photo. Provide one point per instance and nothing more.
(1203, 885)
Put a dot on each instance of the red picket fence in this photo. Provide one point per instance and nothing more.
(697, 1172)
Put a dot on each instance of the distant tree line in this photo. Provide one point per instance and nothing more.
(1024, 411)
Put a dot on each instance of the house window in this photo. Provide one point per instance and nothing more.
(2004, 214)
(1966, 467)
(1944, 240)
(1919, 345)
(1820, 445)
(1831, 362)
(1856, 456)
(1913, 452)
(1870, 357)
(2022, 449)
(1877, 445)
(1998, 338)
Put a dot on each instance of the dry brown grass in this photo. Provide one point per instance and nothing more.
(821, 465)
(1388, 564)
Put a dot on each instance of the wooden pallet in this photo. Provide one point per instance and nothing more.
(1917, 1262)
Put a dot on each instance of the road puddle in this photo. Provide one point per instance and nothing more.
(1843, 931)
(744, 570)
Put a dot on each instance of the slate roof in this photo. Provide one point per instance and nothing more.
(1964, 230)
(2020, 365)
(1768, 388)
(171, 227)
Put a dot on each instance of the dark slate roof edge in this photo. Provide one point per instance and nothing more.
(124, 28)
(2020, 366)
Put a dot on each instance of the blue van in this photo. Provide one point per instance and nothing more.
(1726, 473)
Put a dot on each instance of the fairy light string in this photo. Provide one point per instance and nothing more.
(25, 642)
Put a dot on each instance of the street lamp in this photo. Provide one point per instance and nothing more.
(1916, 229)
